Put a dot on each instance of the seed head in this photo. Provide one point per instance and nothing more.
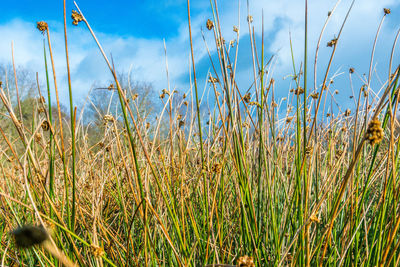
(314, 218)
(247, 98)
(96, 250)
(42, 26)
(245, 261)
(374, 132)
(76, 17)
(254, 103)
(209, 24)
(386, 11)
(216, 168)
(45, 126)
(299, 91)
(332, 42)
(289, 119)
(351, 70)
(108, 118)
(212, 79)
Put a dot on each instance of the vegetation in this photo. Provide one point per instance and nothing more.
(241, 186)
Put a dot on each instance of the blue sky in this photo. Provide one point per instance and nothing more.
(134, 32)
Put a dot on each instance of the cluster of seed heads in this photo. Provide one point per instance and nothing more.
(42, 26)
(96, 250)
(209, 24)
(76, 17)
(245, 261)
(332, 42)
(45, 126)
(374, 132)
(247, 98)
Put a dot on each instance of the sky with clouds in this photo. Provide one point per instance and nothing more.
(134, 32)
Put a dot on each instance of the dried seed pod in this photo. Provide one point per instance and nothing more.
(96, 250)
(42, 26)
(216, 168)
(247, 98)
(209, 24)
(314, 95)
(386, 11)
(45, 126)
(374, 132)
(245, 261)
(76, 17)
(332, 42)
(299, 91)
(314, 218)
(253, 103)
(108, 118)
(211, 79)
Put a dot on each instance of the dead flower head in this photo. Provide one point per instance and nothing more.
(76, 17)
(45, 126)
(247, 98)
(216, 168)
(212, 79)
(42, 26)
(245, 261)
(289, 119)
(299, 91)
(386, 11)
(108, 118)
(96, 250)
(314, 218)
(374, 132)
(332, 42)
(209, 24)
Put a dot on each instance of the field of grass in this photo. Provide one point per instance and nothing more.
(253, 187)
